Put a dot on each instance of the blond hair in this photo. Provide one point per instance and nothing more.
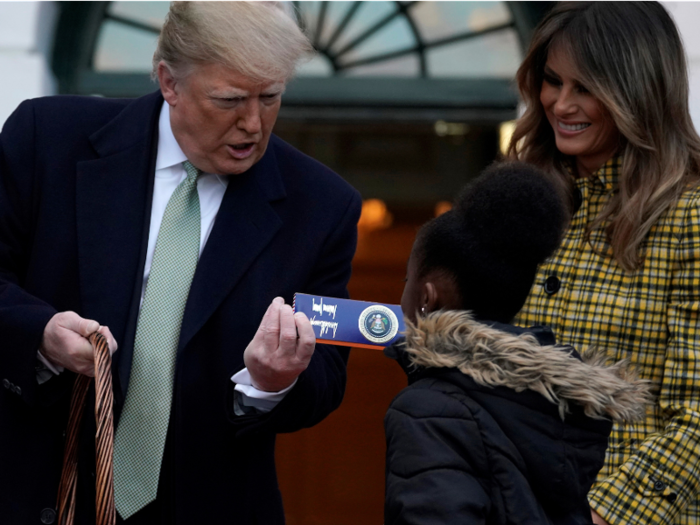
(257, 39)
(630, 57)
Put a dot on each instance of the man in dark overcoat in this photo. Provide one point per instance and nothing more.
(178, 226)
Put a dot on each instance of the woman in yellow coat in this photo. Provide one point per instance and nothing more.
(606, 93)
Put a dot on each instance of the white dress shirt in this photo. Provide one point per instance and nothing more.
(169, 173)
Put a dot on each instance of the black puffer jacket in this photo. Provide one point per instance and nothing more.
(495, 428)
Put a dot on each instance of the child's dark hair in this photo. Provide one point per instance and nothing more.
(503, 225)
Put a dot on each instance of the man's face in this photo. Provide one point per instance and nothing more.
(221, 119)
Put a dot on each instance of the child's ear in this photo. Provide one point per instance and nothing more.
(439, 292)
(429, 301)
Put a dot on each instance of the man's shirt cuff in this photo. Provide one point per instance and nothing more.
(45, 369)
(247, 396)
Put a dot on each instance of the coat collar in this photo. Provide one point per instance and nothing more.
(245, 224)
(113, 200)
(506, 356)
(133, 126)
(398, 353)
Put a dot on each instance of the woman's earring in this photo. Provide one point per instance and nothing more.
(422, 310)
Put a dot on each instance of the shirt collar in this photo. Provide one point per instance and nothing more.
(169, 152)
(609, 173)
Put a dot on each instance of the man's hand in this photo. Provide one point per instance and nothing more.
(597, 520)
(277, 355)
(65, 342)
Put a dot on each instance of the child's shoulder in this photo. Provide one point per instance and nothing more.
(434, 396)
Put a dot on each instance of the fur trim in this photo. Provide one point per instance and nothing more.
(491, 357)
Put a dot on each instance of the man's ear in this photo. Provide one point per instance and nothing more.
(168, 83)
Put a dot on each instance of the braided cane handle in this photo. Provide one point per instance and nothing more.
(104, 440)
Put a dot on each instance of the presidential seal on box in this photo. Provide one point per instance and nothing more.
(345, 322)
(378, 324)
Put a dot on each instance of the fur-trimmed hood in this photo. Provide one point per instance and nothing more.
(493, 357)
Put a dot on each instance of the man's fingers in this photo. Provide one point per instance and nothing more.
(111, 342)
(74, 323)
(288, 331)
(81, 357)
(270, 326)
(64, 342)
(281, 348)
(307, 337)
(84, 327)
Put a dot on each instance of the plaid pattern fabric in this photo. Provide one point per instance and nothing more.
(651, 317)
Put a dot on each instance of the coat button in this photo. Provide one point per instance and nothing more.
(6, 383)
(48, 516)
(18, 390)
(552, 285)
(671, 497)
(578, 199)
(659, 485)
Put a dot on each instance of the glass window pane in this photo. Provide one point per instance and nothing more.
(123, 48)
(319, 66)
(438, 20)
(406, 66)
(395, 36)
(309, 13)
(365, 17)
(335, 14)
(151, 13)
(493, 55)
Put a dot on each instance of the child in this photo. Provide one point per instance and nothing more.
(497, 424)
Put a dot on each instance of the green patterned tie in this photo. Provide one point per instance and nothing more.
(140, 436)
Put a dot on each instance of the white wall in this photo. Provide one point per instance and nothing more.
(26, 35)
(687, 18)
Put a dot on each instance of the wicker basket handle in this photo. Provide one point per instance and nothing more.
(104, 440)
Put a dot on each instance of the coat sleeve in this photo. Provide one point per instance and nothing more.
(663, 477)
(321, 386)
(435, 461)
(23, 317)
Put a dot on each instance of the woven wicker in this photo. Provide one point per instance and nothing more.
(104, 440)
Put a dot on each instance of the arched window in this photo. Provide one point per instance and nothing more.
(376, 60)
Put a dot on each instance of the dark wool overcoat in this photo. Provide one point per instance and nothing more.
(76, 184)
(495, 428)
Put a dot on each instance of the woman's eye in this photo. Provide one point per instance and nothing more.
(582, 89)
(552, 81)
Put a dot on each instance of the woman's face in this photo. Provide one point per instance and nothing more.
(583, 128)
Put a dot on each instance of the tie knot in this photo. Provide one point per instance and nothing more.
(192, 171)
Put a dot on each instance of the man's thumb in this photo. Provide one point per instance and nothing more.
(87, 327)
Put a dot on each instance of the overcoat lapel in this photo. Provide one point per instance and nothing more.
(245, 224)
(114, 194)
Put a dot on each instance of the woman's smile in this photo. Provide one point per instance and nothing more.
(582, 127)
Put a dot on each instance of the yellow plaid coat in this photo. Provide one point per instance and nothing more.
(651, 317)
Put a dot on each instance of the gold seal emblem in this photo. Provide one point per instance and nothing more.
(378, 324)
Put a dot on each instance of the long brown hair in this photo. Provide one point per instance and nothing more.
(630, 57)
